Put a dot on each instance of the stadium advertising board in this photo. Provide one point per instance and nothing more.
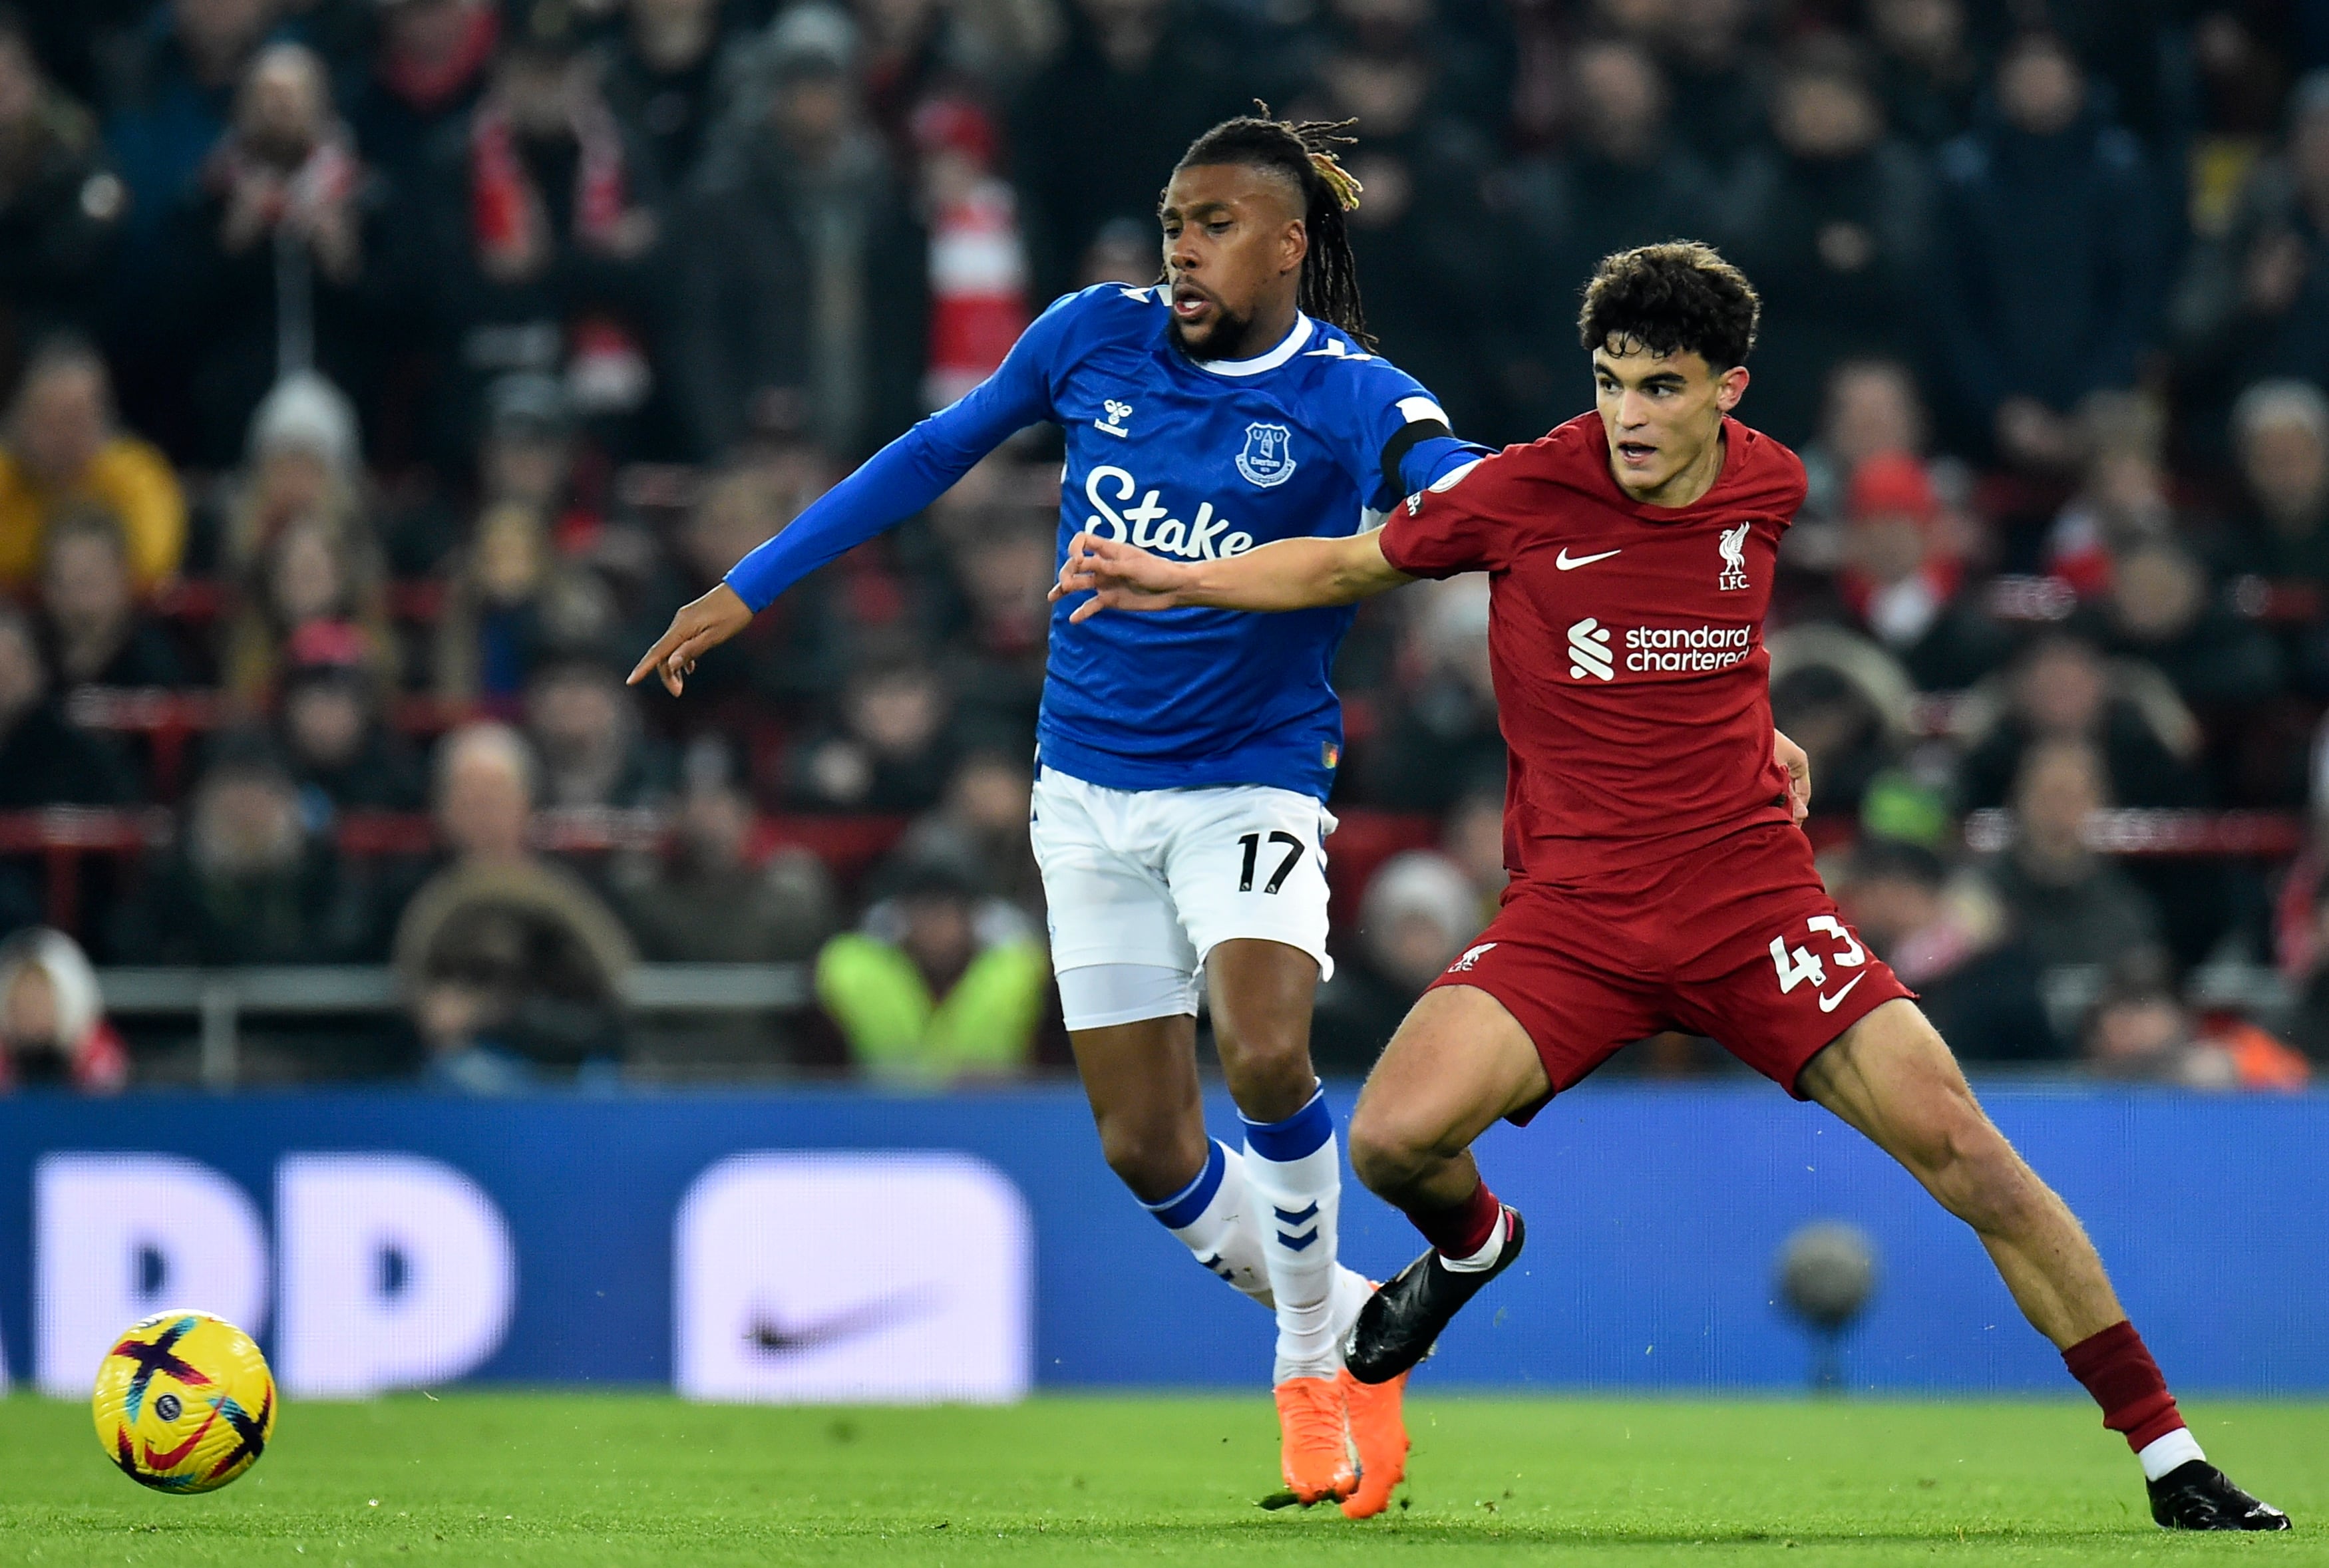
(830, 1245)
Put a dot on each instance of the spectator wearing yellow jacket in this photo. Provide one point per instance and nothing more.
(939, 984)
(63, 452)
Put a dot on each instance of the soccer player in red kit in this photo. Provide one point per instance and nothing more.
(1658, 881)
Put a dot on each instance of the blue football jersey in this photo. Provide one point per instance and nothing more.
(1187, 458)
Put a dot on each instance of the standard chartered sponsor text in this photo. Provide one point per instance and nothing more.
(1681, 649)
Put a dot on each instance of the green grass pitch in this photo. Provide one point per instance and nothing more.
(580, 1481)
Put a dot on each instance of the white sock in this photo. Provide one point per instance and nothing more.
(2164, 1454)
(1213, 1218)
(1294, 1169)
(1486, 1258)
(1352, 1290)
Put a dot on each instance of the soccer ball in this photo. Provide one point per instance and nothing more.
(184, 1403)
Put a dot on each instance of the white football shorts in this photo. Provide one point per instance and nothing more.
(1156, 877)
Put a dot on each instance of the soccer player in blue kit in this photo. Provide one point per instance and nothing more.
(1183, 759)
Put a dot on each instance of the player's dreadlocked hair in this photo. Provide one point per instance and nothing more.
(1305, 152)
(1677, 297)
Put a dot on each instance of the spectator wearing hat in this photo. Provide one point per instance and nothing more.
(807, 274)
(63, 449)
(53, 1031)
(1419, 912)
(536, 221)
(303, 460)
(273, 251)
(249, 882)
(939, 984)
(2046, 282)
(430, 64)
(2280, 434)
(2280, 531)
(1903, 584)
(515, 969)
(329, 728)
(97, 632)
(61, 205)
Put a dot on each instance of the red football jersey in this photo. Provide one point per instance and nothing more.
(1626, 641)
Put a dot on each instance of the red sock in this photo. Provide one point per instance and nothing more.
(2119, 1372)
(1464, 1229)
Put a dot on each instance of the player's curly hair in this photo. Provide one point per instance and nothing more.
(1306, 152)
(1677, 297)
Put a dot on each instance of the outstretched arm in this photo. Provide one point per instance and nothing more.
(895, 483)
(1293, 574)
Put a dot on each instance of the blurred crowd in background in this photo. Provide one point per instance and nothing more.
(382, 373)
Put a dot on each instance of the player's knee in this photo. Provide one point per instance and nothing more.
(1973, 1170)
(1155, 1160)
(1384, 1154)
(1267, 1062)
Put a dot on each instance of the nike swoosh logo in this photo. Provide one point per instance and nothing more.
(777, 1338)
(1828, 1004)
(1563, 561)
(169, 1458)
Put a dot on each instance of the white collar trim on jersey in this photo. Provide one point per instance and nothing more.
(1269, 361)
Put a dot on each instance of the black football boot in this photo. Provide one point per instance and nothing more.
(1400, 1322)
(2197, 1495)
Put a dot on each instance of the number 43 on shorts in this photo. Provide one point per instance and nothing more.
(1803, 965)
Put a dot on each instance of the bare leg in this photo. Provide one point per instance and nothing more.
(1457, 1063)
(1261, 994)
(1142, 1081)
(1891, 1077)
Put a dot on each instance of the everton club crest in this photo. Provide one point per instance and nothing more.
(1268, 459)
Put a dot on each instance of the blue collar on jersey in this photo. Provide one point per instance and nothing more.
(1285, 351)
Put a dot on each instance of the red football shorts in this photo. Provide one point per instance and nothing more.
(1736, 940)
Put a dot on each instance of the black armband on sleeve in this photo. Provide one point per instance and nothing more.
(1401, 443)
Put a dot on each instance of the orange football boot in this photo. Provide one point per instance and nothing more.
(1379, 1431)
(1316, 1455)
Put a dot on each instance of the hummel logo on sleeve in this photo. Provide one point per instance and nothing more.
(1566, 564)
(1589, 651)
